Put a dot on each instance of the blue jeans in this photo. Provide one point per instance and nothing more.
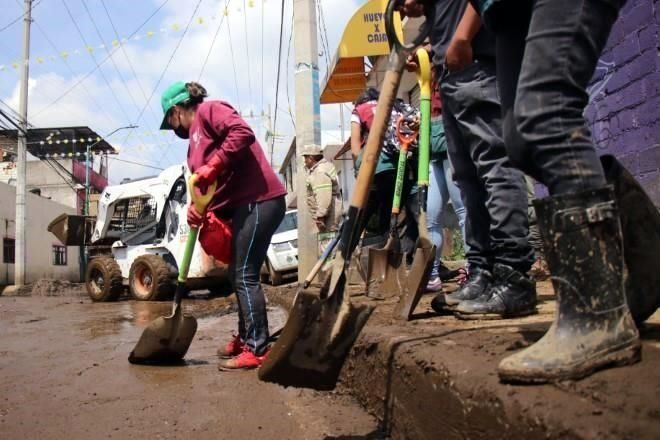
(253, 225)
(545, 60)
(442, 189)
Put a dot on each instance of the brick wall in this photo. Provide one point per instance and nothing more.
(624, 113)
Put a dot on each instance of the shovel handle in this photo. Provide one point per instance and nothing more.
(424, 80)
(200, 201)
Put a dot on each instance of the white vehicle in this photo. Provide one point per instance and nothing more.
(138, 238)
(282, 257)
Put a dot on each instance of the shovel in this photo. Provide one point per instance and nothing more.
(386, 269)
(166, 339)
(418, 276)
(322, 327)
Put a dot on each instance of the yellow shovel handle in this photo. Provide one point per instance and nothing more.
(201, 201)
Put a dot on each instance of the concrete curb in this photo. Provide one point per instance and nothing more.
(436, 378)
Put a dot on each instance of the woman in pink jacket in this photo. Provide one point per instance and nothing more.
(223, 149)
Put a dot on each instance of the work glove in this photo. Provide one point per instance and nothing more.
(195, 219)
(208, 173)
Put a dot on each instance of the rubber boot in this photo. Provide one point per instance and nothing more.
(640, 224)
(512, 295)
(593, 327)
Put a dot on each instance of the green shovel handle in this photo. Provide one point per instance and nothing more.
(424, 80)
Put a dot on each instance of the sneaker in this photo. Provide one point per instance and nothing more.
(513, 295)
(434, 285)
(244, 361)
(232, 348)
(477, 284)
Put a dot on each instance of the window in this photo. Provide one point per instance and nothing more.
(59, 255)
(8, 250)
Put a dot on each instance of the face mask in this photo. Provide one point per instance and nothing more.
(182, 132)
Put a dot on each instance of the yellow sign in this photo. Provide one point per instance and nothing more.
(365, 32)
(363, 36)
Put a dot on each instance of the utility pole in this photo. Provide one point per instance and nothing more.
(19, 261)
(308, 122)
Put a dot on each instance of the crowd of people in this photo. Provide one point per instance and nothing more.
(510, 91)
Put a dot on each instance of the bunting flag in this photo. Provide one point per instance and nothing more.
(64, 55)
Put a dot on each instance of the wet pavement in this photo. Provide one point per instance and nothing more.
(64, 374)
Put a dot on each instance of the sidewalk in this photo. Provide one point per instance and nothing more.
(435, 377)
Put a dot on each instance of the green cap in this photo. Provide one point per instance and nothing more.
(173, 95)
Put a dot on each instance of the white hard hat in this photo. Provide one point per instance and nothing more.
(312, 150)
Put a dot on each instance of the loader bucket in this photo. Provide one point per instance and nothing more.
(315, 341)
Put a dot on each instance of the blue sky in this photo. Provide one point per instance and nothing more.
(64, 33)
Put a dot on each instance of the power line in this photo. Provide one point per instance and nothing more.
(279, 64)
(233, 65)
(217, 31)
(247, 51)
(262, 55)
(128, 59)
(66, 92)
(288, 53)
(176, 48)
(130, 64)
(20, 17)
(105, 79)
(135, 163)
(101, 109)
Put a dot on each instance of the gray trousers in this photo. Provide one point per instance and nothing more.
(493, 191)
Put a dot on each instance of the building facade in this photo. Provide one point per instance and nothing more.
(45, 256)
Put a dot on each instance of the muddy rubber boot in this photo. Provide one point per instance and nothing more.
(640, 225)
(478, 283)
(512, 295)
(593, 327)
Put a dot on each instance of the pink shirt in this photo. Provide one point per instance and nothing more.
(245, 175)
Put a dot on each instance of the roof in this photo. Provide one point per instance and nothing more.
(289, 155)
(58, 141)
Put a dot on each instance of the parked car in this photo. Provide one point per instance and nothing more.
(282, 257)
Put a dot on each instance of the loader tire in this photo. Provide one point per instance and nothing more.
(103, 280)
(150, 279)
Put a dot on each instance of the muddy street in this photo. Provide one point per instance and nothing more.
(64, 374)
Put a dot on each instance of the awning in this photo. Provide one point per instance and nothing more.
(363, 36)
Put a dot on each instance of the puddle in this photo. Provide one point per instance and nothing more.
(125, 318)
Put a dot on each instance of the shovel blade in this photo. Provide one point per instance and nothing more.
(315, 341)
(386, 273)
(165, 340)
(416, 282)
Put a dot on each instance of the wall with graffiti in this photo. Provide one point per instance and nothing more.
(624, 112)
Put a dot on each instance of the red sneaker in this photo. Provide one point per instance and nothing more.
(232, 348)
(244, 361)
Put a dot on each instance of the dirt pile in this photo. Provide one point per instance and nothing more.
(49, 287)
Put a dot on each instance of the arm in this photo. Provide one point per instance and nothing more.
(322, 189)
(356, 139)
(235, 134)
(459, 52)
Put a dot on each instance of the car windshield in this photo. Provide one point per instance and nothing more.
(289, 223)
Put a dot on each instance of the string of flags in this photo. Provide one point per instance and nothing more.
(65, 55)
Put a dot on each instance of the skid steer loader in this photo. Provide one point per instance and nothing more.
(137, 240)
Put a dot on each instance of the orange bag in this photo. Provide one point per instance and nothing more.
(215, 237)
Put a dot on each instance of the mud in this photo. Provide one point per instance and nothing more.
(48, 287)
(435, 377)
(64, 374)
